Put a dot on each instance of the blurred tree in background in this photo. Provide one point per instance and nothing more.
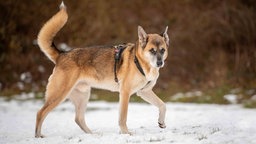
(213, 43)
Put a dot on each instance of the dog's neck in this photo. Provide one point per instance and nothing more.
(147, 68)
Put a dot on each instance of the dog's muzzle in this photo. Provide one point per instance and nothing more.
(159, 63)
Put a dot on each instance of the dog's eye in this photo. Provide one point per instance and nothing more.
(153, 51)
(162, 50)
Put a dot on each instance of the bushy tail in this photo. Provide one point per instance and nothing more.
(48, 32)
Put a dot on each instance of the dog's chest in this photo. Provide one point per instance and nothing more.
(145, 83)
(152, 75)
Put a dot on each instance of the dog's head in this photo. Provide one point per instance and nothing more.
(153, 47)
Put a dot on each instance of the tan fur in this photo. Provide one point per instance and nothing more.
(48, 32)
(81, 69)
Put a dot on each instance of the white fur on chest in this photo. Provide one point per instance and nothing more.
(153, 74)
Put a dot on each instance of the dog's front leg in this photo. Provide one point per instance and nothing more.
(123, 108)
(150, 97)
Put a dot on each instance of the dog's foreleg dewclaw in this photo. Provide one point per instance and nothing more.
(161, 125)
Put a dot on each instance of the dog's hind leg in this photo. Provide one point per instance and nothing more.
(150, 97)
(57, 90)
(80, 97)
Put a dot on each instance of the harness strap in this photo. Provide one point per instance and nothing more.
(136, 61)
(118, 52)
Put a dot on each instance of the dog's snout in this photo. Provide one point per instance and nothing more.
(159, 63)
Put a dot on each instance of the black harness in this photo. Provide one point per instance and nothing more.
(118, 53)
(136, 61)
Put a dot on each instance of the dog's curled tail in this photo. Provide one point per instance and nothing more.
(48, 32)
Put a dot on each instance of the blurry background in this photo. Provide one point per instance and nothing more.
(212, 58)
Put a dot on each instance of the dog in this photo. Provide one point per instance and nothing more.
(126, 68)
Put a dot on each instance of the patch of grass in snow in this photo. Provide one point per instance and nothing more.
(250, 104)
(200, 97)
(218, 95)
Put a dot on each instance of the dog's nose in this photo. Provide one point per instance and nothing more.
(159, 63)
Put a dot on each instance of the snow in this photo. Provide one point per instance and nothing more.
(231, 98)
(186, 124)
(180, 95)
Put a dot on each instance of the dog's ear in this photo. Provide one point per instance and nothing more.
(166, 37)
(142, 37)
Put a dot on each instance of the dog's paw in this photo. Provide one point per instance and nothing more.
(161, 125)
(39, 136)
(126, 132)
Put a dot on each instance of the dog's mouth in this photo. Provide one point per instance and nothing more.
(160, 66)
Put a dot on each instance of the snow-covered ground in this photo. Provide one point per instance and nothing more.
(186, 124)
